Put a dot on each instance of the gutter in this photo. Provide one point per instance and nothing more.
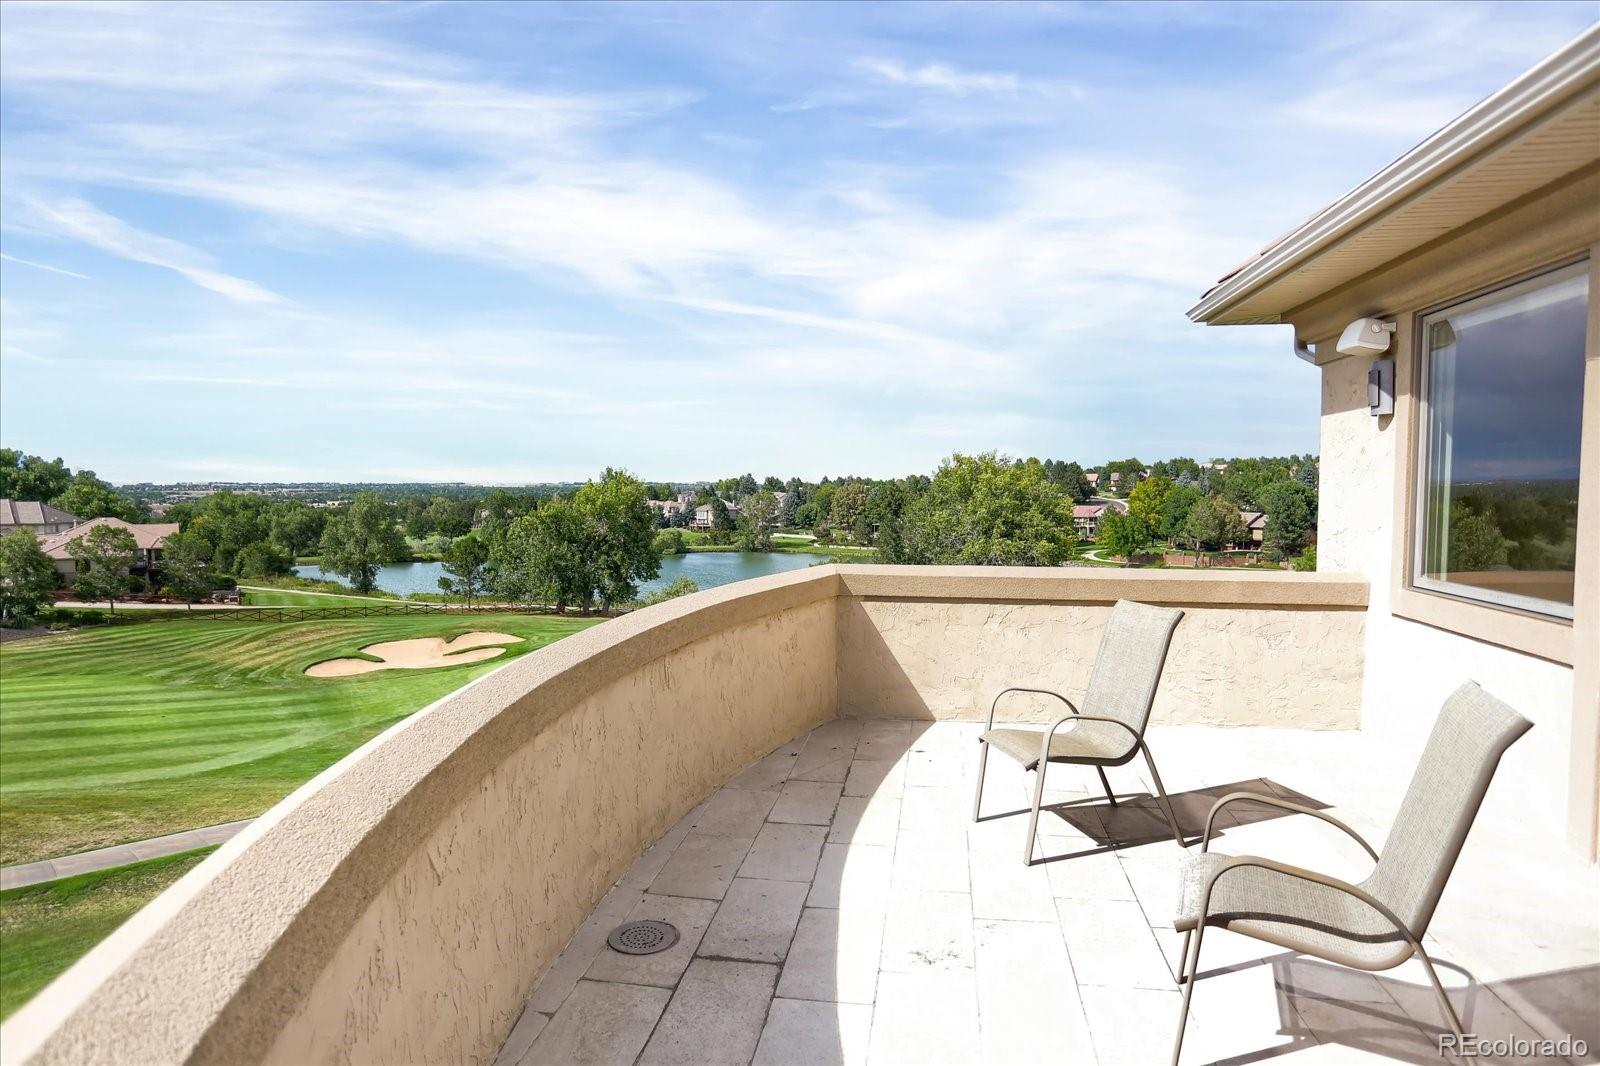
(1557, 78)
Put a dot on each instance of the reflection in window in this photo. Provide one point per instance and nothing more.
(1502, 420)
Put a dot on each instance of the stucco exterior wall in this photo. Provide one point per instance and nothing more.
(1292, 666)
(1365, 474)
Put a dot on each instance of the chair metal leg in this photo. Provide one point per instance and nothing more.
(1161, 795)
(1183, 957)
(1110, 796)
(1444, 1000)
(1192, 966)
(983, 764)
(1033, 816)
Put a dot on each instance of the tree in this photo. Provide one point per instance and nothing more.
(466, 560)
(356, 543)
(596, 545)
(757, 521)
(296, 528)
(1147, 498)
(849, 509)
(1174, 509)
(104, 555)
(88, 497)
(27, 577)
(262, 558)
(989, 510)
(1291, 510)
(1123, 534)
(1213, 523)
(1475, 541)
(186, 568)
(32, 477)
(885, 513)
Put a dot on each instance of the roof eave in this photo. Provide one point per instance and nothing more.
(1553, 81)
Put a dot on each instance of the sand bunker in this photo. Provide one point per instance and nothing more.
(422, 653)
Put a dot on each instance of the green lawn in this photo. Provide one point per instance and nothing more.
(46, 928)
(120, 733)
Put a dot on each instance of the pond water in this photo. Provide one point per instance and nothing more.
(708, 569)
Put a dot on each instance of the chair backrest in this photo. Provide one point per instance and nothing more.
(1127, 669)
(1471, 733)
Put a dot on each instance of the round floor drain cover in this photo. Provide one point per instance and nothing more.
(642, 938)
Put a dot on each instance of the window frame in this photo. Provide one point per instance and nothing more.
(1416, 518)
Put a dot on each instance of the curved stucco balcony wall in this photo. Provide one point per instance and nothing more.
(401, 906)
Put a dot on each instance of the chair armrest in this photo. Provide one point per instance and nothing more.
(1305, 875)
(1281, 804)
(1037, 691)
(1044, 744)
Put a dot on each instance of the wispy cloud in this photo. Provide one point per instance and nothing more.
(8, 257)
(82, 221)
(940, 76)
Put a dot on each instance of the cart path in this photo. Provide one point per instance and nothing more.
(37, 873)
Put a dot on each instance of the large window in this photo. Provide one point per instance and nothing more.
(1502, 420)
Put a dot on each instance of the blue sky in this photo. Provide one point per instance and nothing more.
(522, 242)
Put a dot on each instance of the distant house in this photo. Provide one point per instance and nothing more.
(666, 507)
(150, 537)
(1256, 523)
(1093, 478)
(1086, 519)
(703, 515)
(30, 514)
(1116, 479)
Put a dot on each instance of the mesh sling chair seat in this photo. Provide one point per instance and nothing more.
(1379, 923)
(1109, 728)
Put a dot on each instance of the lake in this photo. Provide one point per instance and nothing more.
(708, 569)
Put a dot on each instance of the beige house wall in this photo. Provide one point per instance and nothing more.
(1419, 645)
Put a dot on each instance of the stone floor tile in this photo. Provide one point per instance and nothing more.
(756, 921)
(884, 740)
(657, 855)
(715, 1016)
(852, 877)
(702, 866)
(523, 1034)
(931, 862)
(1110, 944)
(941, 768)
(601, 1024)
(767, 774)
(1028, 1008)
(731, 812)
(874, 777)
(835, 769)
(925, 1017)
(1007, 890)
(575, 959)
(689, 916)
(814, 1033)
(834, 956)
(785, 853)
(826, 755)
(936, 810)
(866, 820)
(1098, 876)
(1133, 1026)
(928, 930)
(806, 803)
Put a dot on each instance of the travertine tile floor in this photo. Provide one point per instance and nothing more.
(837, 904)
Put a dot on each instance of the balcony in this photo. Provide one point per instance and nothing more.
(783, 769)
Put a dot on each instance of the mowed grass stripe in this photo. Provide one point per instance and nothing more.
(126, 732)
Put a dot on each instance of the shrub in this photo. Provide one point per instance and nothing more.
(89, 617)
(1307, 563)
(670, 542)
(683, 586)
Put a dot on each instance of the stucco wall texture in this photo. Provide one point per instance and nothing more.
(1411, 667)
(401, 906)
(1293, 667)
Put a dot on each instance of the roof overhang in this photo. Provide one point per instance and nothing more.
(1536, 130)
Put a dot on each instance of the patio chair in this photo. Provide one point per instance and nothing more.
(1379, 923)
(1109, 730)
